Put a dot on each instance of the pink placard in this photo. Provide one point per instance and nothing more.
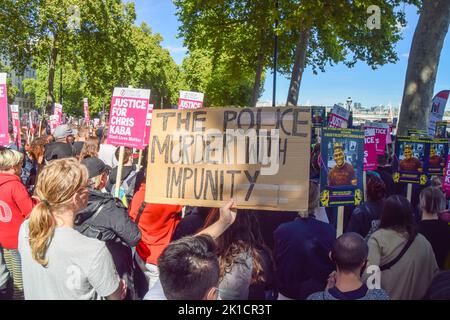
(381, 135)
(16, 124)
(86, 111)
(4, 136)
(189, 104)
(370, 154)
(190, 100)
(446, 184)
(148, 125)
(127, 117)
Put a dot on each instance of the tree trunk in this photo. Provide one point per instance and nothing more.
(51, 77)
(299, 66)
(423, 64)
(257, 85)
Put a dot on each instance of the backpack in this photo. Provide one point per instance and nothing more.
(126, 189)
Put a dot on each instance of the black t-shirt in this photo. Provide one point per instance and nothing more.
(349, 295)
(78, 145)
(437, 233)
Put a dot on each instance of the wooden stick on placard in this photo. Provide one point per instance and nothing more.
(365, 185)
(340, 221)
(40, 127)
(140, 159)
(119, 172)
(409, 192)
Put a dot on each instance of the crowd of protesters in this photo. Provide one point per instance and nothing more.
(63, 235)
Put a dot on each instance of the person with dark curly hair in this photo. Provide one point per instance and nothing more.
(246, 267)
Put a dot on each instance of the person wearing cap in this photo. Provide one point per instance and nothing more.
(106, 219)
(63, 133)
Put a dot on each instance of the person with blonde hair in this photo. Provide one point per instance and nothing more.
(15, 206)
(58, 261)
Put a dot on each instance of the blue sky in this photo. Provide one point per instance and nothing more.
(370, 87)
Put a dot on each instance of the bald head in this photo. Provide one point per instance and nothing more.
(349, 251)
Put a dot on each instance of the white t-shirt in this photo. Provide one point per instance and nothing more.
(107, 154)
(79, 268)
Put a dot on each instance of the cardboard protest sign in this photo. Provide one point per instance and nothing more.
(446, 184)
(318, 116)
(257, 156)
(148, 124)
(381, 135)
(339, 117)
(437, 157)
(437, 110)
(127, 117)
(96, 122)
(411, 160)
(341, 167)
(441, 129)
(16, 124)
(370, 151)
(4, 135)
(190, 100)
(87, 119)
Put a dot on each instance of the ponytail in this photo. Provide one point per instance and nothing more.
(58, 182)
(42, 226)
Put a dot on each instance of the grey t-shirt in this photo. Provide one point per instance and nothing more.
(79, 268)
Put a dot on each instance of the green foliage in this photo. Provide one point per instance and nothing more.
(104, 51)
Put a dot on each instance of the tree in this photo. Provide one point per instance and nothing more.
(152, 67)
(336, 31)
(44, 30)
(235, 30)
(423, 63)
(224, 84)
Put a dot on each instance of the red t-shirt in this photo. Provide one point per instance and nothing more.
(157, 225)
(15, 206)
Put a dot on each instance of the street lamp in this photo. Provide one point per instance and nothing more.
(349, 103)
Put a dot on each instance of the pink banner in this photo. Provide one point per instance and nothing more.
(148, 125)
(4, 136)
(127, 117)
(86, 112)
(16, 124)
(370, 153)
(446, 184)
